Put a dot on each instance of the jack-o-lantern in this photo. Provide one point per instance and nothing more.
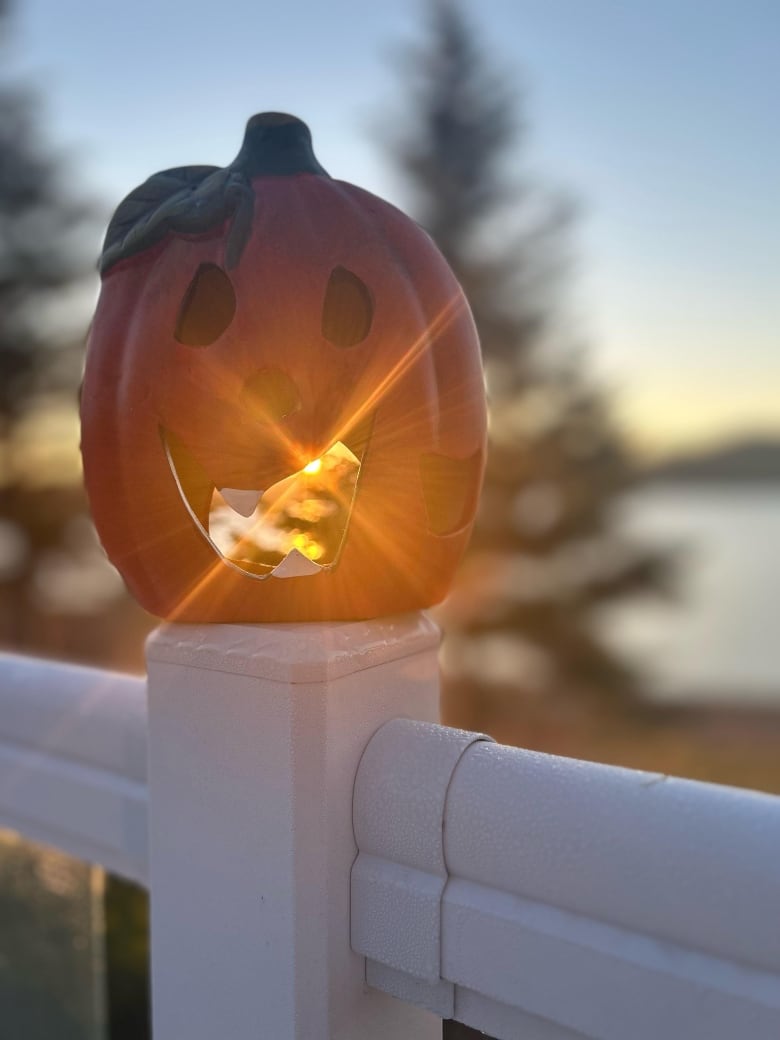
(283, 414)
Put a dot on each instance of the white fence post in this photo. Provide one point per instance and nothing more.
(255, 735)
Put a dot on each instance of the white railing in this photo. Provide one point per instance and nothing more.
(73, 761)
(513, 890)
(525, 895)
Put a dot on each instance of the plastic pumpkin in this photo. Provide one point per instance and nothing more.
(283, 414)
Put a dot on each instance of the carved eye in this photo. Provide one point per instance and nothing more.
(207, 308)
(348, 310)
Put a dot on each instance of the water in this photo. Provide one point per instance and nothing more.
(721, 640)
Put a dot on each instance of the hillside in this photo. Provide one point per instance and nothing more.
(752, 460)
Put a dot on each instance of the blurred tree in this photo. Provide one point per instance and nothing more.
(45, 250)
(545, 552)
(51, 935)
(53, 575)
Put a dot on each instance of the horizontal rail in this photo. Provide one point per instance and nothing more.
(520, 893)
(557, 899)
(73, 761)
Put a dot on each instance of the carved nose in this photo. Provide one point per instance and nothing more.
(270, 395)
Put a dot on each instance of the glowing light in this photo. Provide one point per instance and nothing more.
(297, 512)
(308, 546)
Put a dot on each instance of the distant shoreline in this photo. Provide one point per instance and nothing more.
(661, 478)
(751, 462)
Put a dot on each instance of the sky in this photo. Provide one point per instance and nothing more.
(658, 117)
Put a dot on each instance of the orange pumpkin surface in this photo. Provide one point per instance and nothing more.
(283, 413)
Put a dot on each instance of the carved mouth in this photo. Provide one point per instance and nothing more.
(295, 528)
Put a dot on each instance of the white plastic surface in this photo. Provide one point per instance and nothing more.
(528, 896)
(690, 862)
(310, 653)
(400, 874)
(73, 761)
(255, 735)
(580, 899)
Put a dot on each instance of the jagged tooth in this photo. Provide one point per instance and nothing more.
(295, 565)
(243, 502)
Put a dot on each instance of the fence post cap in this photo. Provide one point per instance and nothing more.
(309, 652)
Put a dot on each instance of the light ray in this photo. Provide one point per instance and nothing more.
(423, 342)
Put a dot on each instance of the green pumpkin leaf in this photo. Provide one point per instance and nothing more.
(154, 208)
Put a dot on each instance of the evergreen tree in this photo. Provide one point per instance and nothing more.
(44, 251)
(52, 572)
(545, 551)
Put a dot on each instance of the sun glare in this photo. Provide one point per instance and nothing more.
(307, 545)
(307, 511)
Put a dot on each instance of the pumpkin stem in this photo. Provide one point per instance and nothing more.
(276, 145)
